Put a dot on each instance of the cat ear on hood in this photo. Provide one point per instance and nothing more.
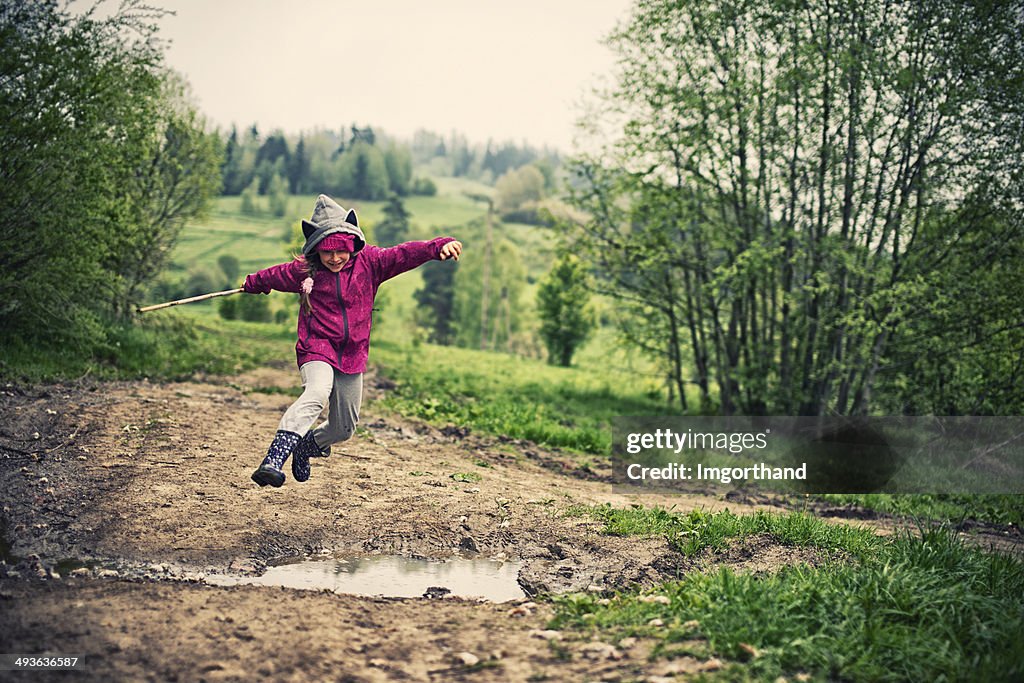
(351, 218)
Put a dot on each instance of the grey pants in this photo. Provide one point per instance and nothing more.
(322, 386)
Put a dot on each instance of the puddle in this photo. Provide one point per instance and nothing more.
(391, 576)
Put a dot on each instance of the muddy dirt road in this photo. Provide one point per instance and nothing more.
(124, 504)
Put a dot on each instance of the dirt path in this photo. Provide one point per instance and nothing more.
(119, 498)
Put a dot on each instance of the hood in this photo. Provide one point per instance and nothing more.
(330, 218)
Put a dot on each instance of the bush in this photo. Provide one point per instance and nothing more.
(167, 288)
(228, 308)
(530, 214)
(171, 344)
(201, 281)
(254, 308)
(424, 187)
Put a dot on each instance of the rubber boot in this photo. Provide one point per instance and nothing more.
(319, 452)
(269, 471)
(305, 450)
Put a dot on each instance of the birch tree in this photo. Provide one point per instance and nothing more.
(775, 179)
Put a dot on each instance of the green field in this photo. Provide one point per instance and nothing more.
(261, 240)
(256, 241)
(510, 396)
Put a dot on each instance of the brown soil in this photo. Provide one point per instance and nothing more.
(118, 498)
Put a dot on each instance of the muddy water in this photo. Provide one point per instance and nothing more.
(392, 576)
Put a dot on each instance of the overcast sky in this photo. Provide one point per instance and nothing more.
(502, 69)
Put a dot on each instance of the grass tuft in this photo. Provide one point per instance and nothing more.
(697, 530)
(914, 607)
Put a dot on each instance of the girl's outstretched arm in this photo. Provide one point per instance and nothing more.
(395, 260)
(284, 277)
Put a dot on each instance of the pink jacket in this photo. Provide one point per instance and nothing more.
(337, 329)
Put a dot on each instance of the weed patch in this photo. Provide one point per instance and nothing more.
(914, 607)
(697, 530)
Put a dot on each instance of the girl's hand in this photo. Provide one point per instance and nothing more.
(451, 250)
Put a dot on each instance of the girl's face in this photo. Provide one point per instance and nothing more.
(334, 260)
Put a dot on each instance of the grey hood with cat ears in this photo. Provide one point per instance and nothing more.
(330, 218)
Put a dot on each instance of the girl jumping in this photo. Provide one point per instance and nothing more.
(336, 277)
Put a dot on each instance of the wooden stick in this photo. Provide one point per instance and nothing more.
(190, 300)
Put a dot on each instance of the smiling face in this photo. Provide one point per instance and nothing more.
(334, 260)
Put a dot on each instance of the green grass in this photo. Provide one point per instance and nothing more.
(507, 396)
(171, 345)
(915, 607)
(256, 241)
(993, 508)
(698, 530)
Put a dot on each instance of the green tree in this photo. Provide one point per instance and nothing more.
(764, 203)
(254, 308)
(100, 145)
(201, 279)
(436, 301)
(398, 161)
(250, 198)
(277, 196)
(563, 302)
(962, 351)
(174, 184)
(519, 187)
(231, 168)
(487, 293)
(323, 173)
(362, 173)
(239, 165)
(298, 169)
(227, 308)
(424, 187)
(275, 147)
(394, 228)
(547, 169)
